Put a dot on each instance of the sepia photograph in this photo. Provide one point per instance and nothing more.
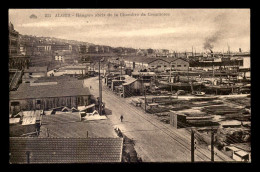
(129, 85)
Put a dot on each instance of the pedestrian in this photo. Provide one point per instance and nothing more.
(121, 118)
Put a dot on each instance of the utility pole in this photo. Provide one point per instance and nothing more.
(192, 145)
(171, 75)
(100, 90)
(145, 99)
(47, 132)
(120, 70)
(144, 90)
(212, 145)
(108, 64)
(28, 157)
(192, 52)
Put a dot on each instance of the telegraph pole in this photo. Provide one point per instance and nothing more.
(171, 75)
(28, 157)
(192, 52)
(120, 70)
(192, 145)
(144, 91)
(145, 99)
(212, 145)
(100, 90)
(108, 64)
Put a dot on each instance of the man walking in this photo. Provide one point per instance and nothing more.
(121, 118)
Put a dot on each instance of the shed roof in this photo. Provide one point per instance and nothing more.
(152, 59)
(36, 69)
(143, 59)
(74, 67)
(241, 153)
(243, 146)
(62, 89)
(55, 79)
(128, 80)
(65, 150)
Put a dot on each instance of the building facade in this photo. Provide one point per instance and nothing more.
(13, 41)
(180, 64)
(47, 95)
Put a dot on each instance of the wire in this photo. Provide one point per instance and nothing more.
(161, 124)
(187, 125)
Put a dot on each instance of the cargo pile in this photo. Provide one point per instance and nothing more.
(222, 110)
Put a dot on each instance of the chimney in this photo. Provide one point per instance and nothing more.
(211, 52)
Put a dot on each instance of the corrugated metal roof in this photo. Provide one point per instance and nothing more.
(65, 150)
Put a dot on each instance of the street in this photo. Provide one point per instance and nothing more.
(154, 140)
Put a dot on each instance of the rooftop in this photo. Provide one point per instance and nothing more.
(243, 146)
(68, 124)
(75, 67)
(61, 89)
(55, 79)
(145, 59)
(36, 69)
(128, 80)
(65, 150)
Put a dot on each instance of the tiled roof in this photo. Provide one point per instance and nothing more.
(62, 89)
(65, 150)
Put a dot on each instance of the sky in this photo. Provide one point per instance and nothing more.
(173, 29)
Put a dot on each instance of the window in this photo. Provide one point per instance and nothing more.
(184, 65)
(38, 102)
(178, 65)
(15, 103)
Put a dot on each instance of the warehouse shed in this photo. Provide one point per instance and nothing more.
(47, 95)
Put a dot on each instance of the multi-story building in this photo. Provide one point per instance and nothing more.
(92, 49)
(16, 60)
(13, 40)
(82, 49)
(44, 48)
(57, 47)
(59, 56)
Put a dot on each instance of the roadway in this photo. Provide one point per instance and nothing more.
(154, 140)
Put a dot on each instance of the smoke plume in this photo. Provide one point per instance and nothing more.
(221, 24)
